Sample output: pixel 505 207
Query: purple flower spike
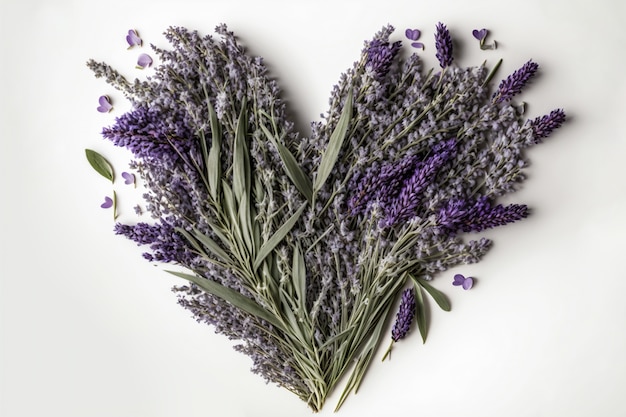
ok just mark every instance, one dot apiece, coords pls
pixel 144 61
pixel 105 104
pixel 515 82
pixel 405 314
pixel 443 43
pixel 128 178
pixel 544 125
pixel 412 34
pixel 460 280
pixel 133 39
pixel 108 203
pixel 480 34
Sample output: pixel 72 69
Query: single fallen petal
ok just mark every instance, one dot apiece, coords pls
pixel 417 45
pixel 108 203
pixel 128 178
pixel 458 279
pixel 105 104
pixel 144 61
pixel 480 34
pixel 133 38
pixel 413 34
pixel 468 283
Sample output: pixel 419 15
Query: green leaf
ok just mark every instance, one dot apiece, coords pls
pixel 233 297
pixel 420 313
pixel 241 157
pixel 277 237
pixel 212 245
pixel 438 296
pixel 291 167
pixel 100 164
pixel 334 145
pixel 298 270
pixel 214 169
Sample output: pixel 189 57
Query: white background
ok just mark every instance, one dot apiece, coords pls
pixel 88 328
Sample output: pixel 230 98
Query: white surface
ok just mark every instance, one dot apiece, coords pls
pixel 90 329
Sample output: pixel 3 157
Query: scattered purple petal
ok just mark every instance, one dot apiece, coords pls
pixel 413 34
pixel 460 280
pixel 108 203
pixel 138 210
pixel 128 178
pixel 105 104
pixel 480 34
pixel 133 39
pixel 144 61
pixel 417 45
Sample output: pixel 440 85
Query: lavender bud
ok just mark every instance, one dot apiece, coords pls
pixel 443 43
pixel 544 125
pixel 405 314
pixel 380 55
pixel 515 82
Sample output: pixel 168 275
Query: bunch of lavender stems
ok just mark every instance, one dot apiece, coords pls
pixel 299 247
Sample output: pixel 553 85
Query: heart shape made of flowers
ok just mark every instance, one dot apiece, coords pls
pixel 299 247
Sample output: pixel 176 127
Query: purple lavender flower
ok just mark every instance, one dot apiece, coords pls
pixel 108 203
pixel 458 215
pixel 380 55
pixel 515 82
pixel 128 178
pixel 105 104
pixel 144 61
pixel 414 35
pixel 443 43
pixel 166 244
pixel 480 34
pixel 404 206
pixel 133 39
pixel 544 125
pixel 462 281
pixel 405 315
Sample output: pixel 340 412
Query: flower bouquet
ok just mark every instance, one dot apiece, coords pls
pixel 301 248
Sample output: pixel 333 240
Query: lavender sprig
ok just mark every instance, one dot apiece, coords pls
pixel 515 82
pixel 443 43
pixel 404 318
pixel 543 126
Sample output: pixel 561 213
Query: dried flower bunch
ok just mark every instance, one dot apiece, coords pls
pixel 299 247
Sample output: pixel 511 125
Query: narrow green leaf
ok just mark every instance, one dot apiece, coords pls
pixel 241 157
pixel 245 223
pixel 212 245
pixel 291 167
pixel 277 237
pixel 438 296
pixel 214 169
pixel 334 145
pixel 192 240
pixel 233 297
pixel 420 313
pixel 298 270
pixel 100 164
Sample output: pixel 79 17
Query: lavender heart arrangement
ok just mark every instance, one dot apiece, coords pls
pixel 306 250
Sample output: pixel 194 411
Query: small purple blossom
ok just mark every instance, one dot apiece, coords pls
pixel 128 178
pixel 443 43
pixel 144 61
pixel 460 280
pixel 108 203
pixel 515 82
pixel 105 104
pixel 133 38
pixel 414 35
pixel 380 55
pixel 405 315
pixel 480 34
pixel 544 125
pixel 138 210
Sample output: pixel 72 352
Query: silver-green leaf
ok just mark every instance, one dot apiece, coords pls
pixel 100 164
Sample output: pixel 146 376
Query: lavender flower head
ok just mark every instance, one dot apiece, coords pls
pixel 543 126
pixel 515 82
pixel 380 55
pixel 443 43
pixel 405 314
